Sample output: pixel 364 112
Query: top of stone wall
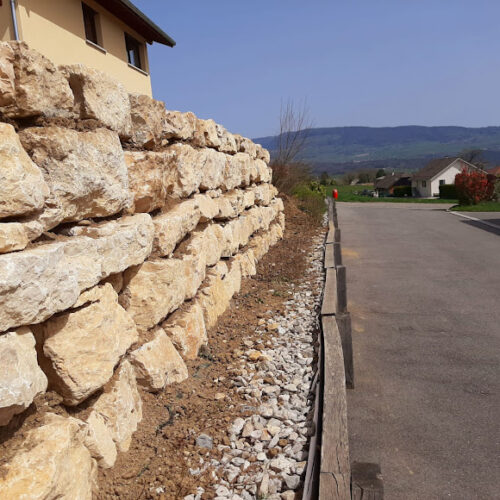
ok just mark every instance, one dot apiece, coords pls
pixel 34 91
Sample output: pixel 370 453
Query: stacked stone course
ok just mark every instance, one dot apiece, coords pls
pixel 125 229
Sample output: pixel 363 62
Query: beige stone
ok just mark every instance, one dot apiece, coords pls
pixel 187 330
pixel 179 126
pixel 52 463
pixel 85 171
pixel 262 153
pixel 115 280
pixel 7 76
pixel 120 406
pixel 187 163
pixel 148 121
pixel 23 189
pixel 12 237
pixel 247 263
pixel 39 282
pixel 152 177
pixel 172 226
pixel 21 379
pixel 264 194
pixel 99 441
pixel 99 97
pixel 157 363
pixel 40 90
pixel 212 169
pixel 248 147
pixel 227 140
pixel 264 173
pixel 155 289
pixel 207 206
pixel 82 347
pixel 205 134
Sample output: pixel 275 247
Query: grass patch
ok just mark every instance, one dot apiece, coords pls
pixel 484 206
pixel 311 198
pixel 353 193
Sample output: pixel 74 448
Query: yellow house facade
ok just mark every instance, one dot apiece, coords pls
pixel 108 35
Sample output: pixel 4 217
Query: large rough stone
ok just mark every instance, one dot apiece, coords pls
pixel 21 379
pixel 249 147
pixel 262 153
pixel 187 330
pixel 100 442
pixel 205 134
pixel 264 194
pixel 172 226
pixel 23 189
pixel 155 289
pixel 148 121
pixel 12 237
pixel 227 141
pixel 52 463
pixel 99 97
pixel 7 76
pixel 85 171
pixel 234 203
pixel 40 90
pixel 37 283
pixel 187 163
pixel 82 347
pixel 157 363
pixel 120 406
pixel 179 126
pixel 212 169
pixel 152 177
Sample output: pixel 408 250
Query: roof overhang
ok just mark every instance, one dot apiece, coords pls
pixel 129 14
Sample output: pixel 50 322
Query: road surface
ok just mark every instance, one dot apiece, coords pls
pixel 424 295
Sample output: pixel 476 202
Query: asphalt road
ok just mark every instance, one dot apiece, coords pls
pixel 424 295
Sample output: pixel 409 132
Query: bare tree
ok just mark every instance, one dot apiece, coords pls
pixel 474 156
pixel 295 126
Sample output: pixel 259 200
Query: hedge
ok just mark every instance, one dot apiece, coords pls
pixel 402 191
pixel 448 191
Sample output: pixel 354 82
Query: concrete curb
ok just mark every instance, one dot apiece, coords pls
pixel 475 219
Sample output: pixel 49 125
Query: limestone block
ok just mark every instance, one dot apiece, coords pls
pixel 21 379
pixel 206 243
pixel 115 280
pixel 234 202
pixel 99 441
pixel 157 363
pixel 227 140
pixel 7 76
pixel 99 97
pixel 52 463
pixel 23 189
pixel 120 406
pixel 205 134
pixel 179 126
pixel 82 347
pixel 40 90
pixel 233 279
pixel 12 237
pixel 152 177
pixel 85 171
pixel 187 163
pixel 207 206
pixel 148 121
pixel 247 146
pixel 212 169
pixel 264 194
pixel 247 263
pixel 37 283
pixel 264 173
pixel 262 153
pixel 119 244
pixel 155 289
pixel 214 296
pixel 187 330
pixel 34 284
pixel 172 226
pixel 232 173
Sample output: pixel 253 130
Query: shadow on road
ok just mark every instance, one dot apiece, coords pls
pixel 484 227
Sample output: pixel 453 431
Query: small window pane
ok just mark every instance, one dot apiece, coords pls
pixel 133 51
pixel 89 20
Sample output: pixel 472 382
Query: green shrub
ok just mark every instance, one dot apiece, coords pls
pixel 402 191
pixel 448 192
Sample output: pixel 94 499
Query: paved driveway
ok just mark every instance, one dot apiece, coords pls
pixel 424 294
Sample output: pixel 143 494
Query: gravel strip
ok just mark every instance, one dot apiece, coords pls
pixel 265 455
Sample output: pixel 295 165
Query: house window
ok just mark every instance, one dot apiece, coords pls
pixel 133 51
pixel 90 22
pixel 441 182
pixel 424 184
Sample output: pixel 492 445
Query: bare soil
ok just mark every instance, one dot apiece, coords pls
pixel 163 449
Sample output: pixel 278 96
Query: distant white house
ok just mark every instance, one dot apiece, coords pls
pixel 425 183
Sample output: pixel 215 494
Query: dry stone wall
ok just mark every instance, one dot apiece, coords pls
pixel 125 229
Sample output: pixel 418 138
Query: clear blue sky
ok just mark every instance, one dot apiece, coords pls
pixel 357 62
